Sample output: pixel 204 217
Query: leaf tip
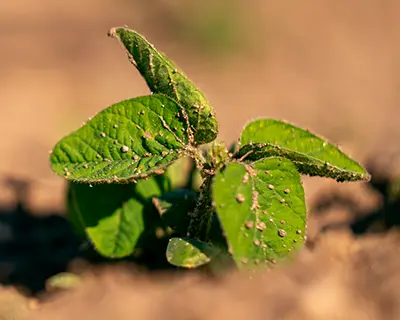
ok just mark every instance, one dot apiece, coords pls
pixel 113 32
pixel 366 177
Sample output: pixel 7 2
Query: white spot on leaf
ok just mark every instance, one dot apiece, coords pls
pixel 124 149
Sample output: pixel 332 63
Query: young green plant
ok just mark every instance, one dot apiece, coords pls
pixel 127 166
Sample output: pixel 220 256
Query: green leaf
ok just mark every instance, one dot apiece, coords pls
pixel 217 155
pixel 73 215
pixel 163 76
pixel 116 217
pixel 131 139
pixel 63 280
pixel 262 210
pixel 179 171
pixel 311 154
pixel 189 253
pixel 174 208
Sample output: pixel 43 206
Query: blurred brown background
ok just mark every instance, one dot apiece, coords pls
pixel 332 66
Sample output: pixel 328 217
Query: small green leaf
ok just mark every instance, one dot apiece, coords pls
pixel 174 208
pixel 129 140
pixel 116 216
pixel 311 154
pixel 262 210
pixel 163 76
pixel 189 253
pixel 63 280
pixel 217 155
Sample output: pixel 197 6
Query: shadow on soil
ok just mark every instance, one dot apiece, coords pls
pixel 32 247
pixel 380 219
pixel 37 245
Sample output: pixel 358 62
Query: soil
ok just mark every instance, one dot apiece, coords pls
pixel 330 66
pixel 341 279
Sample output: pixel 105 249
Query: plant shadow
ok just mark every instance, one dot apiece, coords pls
pixel 33 247
pixel 37 245
pixel 380 219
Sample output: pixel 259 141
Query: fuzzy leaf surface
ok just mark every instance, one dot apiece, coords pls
pixel 311 154
pixel 115 217
pixel 189 253
pixel 262 210
pixel 131 139
pixel 163 76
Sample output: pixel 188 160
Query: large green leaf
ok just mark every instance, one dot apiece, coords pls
pixel 131 139
pixel 311 154
pixel 189 253
pixel 262 210
pixel 163 76
pixel 116 217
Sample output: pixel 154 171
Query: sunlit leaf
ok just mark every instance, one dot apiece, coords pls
pixel 131 139
pixel 163 76
pixel 311 154
pixel 262 210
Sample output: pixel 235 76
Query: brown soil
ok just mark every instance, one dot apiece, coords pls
pixel 341 279
pixel 331 66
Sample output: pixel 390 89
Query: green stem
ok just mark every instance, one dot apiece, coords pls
pixel 201 218
pixel 197 156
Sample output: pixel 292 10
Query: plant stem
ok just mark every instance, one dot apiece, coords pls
pixel 197 156
pixel 201 217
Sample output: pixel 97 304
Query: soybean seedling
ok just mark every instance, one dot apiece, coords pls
pixel 124 167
